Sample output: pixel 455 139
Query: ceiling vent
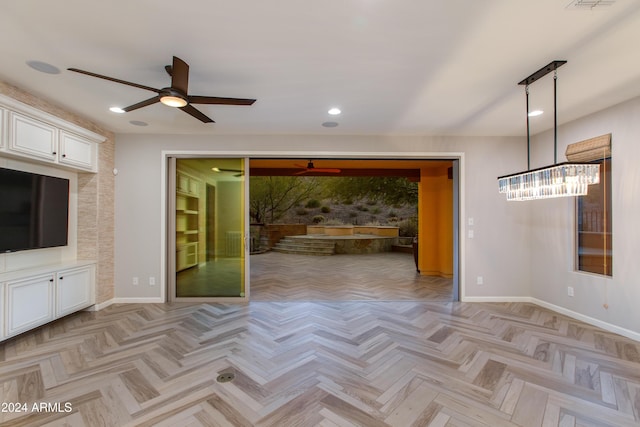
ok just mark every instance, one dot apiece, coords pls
pixel 589 4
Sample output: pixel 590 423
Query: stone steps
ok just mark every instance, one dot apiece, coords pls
pixel 303 246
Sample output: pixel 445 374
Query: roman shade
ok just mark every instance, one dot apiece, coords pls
pixel 590 150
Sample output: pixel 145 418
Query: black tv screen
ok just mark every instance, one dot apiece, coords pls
pixel 34 211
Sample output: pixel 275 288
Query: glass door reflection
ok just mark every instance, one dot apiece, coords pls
pixel 209 228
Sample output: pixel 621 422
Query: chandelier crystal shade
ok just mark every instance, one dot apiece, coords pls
pixel 559 180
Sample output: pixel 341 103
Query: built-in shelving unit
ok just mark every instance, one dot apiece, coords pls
pixel 188 207
pixel 41 288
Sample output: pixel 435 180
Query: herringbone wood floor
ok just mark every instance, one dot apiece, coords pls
pixel 388 276
pixel 334 363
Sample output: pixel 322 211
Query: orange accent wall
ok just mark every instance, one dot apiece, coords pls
pixel 435 211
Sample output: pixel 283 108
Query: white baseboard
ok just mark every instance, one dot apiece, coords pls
pixel 102 305
pixel 497 299
pixel 590 320
pixel 574 315
pixel 136 300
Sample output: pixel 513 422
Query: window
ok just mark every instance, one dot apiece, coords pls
pixel 593 211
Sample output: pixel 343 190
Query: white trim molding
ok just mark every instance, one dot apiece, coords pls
pixel 561 310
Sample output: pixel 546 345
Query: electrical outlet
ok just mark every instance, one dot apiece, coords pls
pixel 135 281
pixel 570 291
pixel 152 281
pixel 470 222
pixel 471 234
pixel 480 280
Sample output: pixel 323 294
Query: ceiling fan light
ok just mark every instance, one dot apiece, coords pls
pixel 173 101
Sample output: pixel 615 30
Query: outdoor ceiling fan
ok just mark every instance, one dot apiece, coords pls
pixel 311 168
pixel 175 95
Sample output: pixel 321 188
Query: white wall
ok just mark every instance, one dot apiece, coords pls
pixel 499 251
pixel 552 244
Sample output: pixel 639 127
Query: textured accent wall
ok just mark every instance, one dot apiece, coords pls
pixel 95 195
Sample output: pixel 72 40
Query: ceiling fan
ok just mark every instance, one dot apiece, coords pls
pixel 236 172
pixel 311 168
pixel 175 95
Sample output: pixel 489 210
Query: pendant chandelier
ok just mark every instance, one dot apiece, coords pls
pixel 558 180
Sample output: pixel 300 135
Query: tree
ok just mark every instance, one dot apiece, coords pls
pixel 272 196
pixel 390 190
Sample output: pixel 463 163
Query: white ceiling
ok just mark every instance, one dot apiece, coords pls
pixel 394 67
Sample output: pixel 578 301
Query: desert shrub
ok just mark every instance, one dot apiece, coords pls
pixel 313 203
pixel 393 220
pixel 371 202
pixel 392 214
pixel 376 210
pixel 353 214
pixel 325 209
pixel 317 219
pixel 302 211
pixel 334 221
pixel 347 202
pixel 362 208
pixel 408 227
pixel 373 224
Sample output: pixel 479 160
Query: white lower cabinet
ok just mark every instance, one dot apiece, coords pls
pixel 31 299
pixel 3 309
pixel 72 292
pixel 29 303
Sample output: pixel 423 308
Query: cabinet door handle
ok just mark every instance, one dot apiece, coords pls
pixel 51 280
pixel 61 277
pixel 54 153
pixel 64 155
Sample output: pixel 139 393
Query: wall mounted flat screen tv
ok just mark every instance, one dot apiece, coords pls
pixel 34 211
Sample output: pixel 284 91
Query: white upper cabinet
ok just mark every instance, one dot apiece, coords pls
pixel 30 133
pixel 3 127
pixel 77 151
pixel 32 137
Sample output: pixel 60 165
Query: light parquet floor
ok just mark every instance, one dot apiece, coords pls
pixel 388 276
pixel 332 363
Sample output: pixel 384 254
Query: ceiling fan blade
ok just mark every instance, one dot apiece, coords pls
pixel 142 104
pixel 195 99
pixel 168 69
pixel 190 109
pixel 326 170
pixel 111 79
pixel 302 172
pixel 180 75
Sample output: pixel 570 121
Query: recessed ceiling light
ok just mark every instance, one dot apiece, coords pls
pixel 334 111
pixel 535 113
pixel 330 124
pixel 116 110
pixel 43 67
pixel 138 123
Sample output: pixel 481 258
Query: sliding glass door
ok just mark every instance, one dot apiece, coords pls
pixel 208 255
